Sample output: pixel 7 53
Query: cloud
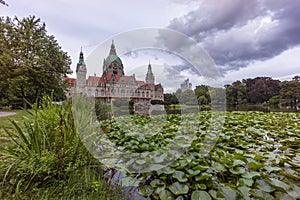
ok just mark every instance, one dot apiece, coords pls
pixel 236 32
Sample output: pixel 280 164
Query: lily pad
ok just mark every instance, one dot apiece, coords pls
pixel 200 195
pixel 179 188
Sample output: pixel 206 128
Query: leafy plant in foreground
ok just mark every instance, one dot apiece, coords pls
pixel 47 160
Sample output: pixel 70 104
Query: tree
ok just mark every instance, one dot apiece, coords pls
pixel 236 93
pixel 290 91
pixel 261 89
pixel 170 99
pixel 3 2
pixel 33 64
pixel 202 94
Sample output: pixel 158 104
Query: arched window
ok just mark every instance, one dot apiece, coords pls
pixel 130 93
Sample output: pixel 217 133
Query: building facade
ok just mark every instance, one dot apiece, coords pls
pixel 114 84
pixel 186 85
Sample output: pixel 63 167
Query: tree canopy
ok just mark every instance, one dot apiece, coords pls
pixel 3 2
pixel 32 64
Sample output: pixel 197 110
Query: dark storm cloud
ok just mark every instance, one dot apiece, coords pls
pixel 237 32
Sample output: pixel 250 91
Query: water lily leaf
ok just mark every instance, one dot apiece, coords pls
pixel 180 198
pixel 282 195
pixel 251 175
pixel 200 195
pixel 140 162
pixel 272 169
pixel 213 193
pixel 156 182
pixel 245 192
pixel 238 162
pixel 201 168
pixel 278 184
pixel 180 176
pixel 201 186
pixel 245 182
pixel 128 181
pixel 168 170
pixel 264 186
pixel 255 165
pixel 259 194
pixel 219 167
pixel 203 176
pixel 166 195
pixel 159 159
pixel 155 167
pixel 159 189
pixel 179 188
pixel 237 170
pixel 145 190
pixel 294 192
pixel 227 193
pixel 193 172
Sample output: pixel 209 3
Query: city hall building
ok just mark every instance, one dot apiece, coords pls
pixel 114 84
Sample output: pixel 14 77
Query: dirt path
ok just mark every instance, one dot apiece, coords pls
pixel 4 114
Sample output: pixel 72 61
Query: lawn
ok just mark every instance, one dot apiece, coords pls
pixel 5 123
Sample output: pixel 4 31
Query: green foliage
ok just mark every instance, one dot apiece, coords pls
pixel 170 99
pixel 47 159
pixel 275 100
pixel 202 93
pixel 256 155
pixel 290 91
pixel 262 90
pixel 3 2
pixel 155 102
pixel 32 64
pixel 102 110
pixel 236 93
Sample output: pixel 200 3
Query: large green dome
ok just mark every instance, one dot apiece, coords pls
pixel 112 58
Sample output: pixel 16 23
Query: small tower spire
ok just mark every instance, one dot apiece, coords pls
pixel 81 65
pixel 81 58
pixel 112 49
pixel 149 76
pixel 149 69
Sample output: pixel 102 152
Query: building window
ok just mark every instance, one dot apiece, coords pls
pixel 122 92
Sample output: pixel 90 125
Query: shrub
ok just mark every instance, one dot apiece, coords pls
pixel 47 159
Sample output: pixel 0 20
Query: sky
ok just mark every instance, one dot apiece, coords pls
pixel 240 39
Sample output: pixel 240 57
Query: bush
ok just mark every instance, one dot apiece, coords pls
pixel 47 159
pixel 274 101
